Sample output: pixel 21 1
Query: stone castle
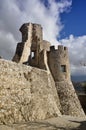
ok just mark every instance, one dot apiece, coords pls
pixel 36 52
pixel 37 84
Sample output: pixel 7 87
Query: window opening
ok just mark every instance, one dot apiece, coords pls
pixel 63 68
pixel 32 55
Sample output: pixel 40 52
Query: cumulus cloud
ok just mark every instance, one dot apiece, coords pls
pixel 77 53
pixel 7 43
pixel 13 13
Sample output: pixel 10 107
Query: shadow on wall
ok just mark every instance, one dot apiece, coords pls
pixel 82 125
pixel 44 126
pixel 49 126
pixel 82 99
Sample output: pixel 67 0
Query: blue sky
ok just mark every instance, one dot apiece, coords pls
pixel 74 21
pixel 63 22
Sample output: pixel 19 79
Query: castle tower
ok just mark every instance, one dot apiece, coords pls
pixel 33 49
pixel 58 62
pixel 29 48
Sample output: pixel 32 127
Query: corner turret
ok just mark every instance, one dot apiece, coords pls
pixel 58 62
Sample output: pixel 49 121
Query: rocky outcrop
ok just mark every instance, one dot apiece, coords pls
pixel 26 93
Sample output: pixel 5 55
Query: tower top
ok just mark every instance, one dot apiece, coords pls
pixel 25 26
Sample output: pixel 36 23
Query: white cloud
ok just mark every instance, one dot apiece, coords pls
pixel 77 52
pixel 7 42
pixel 13 13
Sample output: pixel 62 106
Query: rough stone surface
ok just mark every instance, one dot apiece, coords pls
pixel 70 103
pixel 59 123
pixel 32 46
pixel 26 93
pixel 23 48
pixel 58 61
pixel 45 45
pixel 29 94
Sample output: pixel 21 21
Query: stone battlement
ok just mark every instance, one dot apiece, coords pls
pixel 60 48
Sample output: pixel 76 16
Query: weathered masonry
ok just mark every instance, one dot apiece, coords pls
pixel 36 52
pixel 32 50
pixel 37 84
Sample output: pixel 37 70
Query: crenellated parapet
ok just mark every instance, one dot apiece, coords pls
pixel 61 50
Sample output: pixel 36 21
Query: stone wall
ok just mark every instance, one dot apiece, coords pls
pixel 70 104
pixel 24 48
pixel 45 45
pixel 43 61
pixel 26 93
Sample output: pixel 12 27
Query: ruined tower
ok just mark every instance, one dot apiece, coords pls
pixel 32 48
